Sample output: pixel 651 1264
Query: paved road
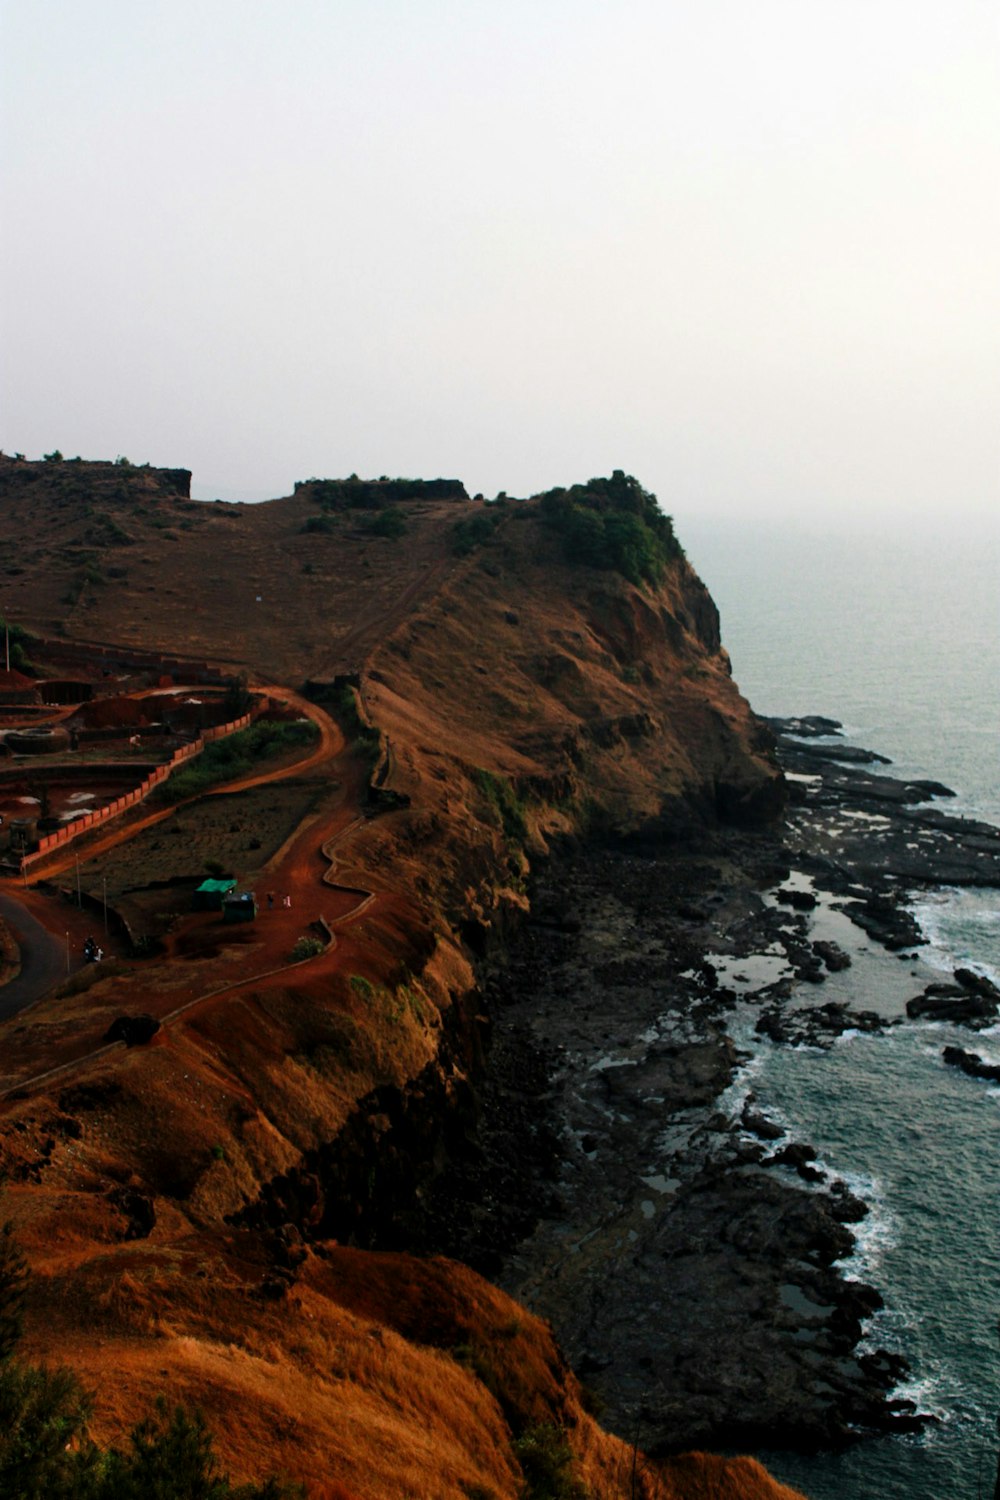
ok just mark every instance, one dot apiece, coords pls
pixel 43 959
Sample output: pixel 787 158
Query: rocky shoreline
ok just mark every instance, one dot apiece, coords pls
pixel 623 1181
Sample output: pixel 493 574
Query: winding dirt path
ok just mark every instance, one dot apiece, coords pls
pixel 303 893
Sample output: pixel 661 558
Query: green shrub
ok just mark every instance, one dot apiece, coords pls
pixel 505 804
pixel 19 639
pixel 107 532
pixel 235 756
pixel 472 531
pixel 342 702
pixel 323 524
pixel 613 524
pixel 546 1461
pixel 353 493
pixel 307 947
pixel 389 523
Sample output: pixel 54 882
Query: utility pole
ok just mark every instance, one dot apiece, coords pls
pixel 79 902
pixel 105 906
pixel 67 954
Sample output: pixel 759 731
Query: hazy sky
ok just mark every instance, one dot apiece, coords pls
pixel 748 250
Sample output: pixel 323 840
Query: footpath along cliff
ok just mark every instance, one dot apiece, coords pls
pixel 230 1215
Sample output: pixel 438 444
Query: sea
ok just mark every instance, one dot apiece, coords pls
pixel 894 629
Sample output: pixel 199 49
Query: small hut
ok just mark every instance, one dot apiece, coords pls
pixel 240 906
pixel 211 894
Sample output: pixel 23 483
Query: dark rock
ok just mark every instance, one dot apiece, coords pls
pixel 885 1367
pixel 760 1125
pixel 798 1156
pixel 832 955
pixel 844 1206
pixel 970 1010
pixel 138 1209
pixel 798 900
pixel 808 726
pixel 971 1063
pixel 887 922
pixel 134 1031
pixel 850 754
pixel 978 984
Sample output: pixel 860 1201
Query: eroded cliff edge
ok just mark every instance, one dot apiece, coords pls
pixel 511 698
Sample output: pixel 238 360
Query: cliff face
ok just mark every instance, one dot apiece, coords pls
pixel 529 700
pixel 183 1205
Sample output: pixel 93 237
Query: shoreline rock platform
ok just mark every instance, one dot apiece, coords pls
pixel 688 1253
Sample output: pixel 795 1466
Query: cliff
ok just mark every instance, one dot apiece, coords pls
pixel 226 1213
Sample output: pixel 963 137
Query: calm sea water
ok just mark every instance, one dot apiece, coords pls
pixel 897 635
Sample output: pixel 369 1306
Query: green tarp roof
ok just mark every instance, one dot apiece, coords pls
pixel 222 886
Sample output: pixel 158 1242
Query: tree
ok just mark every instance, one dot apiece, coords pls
pixel 46 1454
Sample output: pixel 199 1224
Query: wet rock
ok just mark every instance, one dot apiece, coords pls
pixel 978 984
pixel 832 955
pixel 798 900
pixel 849 754
pixel 963 1009
pixel 817 1026
pixel 971 1063
pixel 844 1206
pixel 807 726
pixel 886 921
pixel 798 1156
pixel 885 1367
pixel 759 1125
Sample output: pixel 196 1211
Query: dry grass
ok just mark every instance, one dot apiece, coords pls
pixel 380 1374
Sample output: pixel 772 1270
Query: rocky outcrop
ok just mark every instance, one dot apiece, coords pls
pixel 974 1002
pixel 971 1063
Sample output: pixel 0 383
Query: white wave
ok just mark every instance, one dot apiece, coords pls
pixel 940 917
pixel 877 1232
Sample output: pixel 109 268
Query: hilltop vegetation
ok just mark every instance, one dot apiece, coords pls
pixel 377 494
pixel 612 523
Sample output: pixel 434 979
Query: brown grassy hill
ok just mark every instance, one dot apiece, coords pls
pixel 211 1214
pixel 106 552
